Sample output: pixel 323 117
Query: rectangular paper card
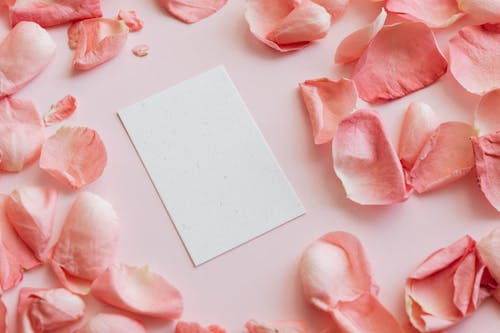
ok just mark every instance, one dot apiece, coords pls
pixel 210 164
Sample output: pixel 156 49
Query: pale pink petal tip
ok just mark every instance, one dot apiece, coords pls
pixel 54 12
pixel 366 162
pixel 287 25
pixel 487 156
pixel 75 156
pixel 283 326
pixel 186 327
pixel 385 71
pixel 419 123
pixel 489 250
pixel 88 243
pixel 131 20
pixel 110 323
pixel 192 11
pixel 63 109
pixel 96 41
pixel 487 117
pixel 119 284
pixel 446 157
pixel 327 103
pixel 474 54
pixel 485 10
pixel 41 310
pixel 434 13
pixel 21 134
pixel 352 47
pixel 141 50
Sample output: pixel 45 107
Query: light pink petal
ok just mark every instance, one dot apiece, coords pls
pixel 487 155
pixel 474 58
pixel 336 8
pixel 141 50
pixel 3 315
pixel 192 11
pixel 401 59
pixel 24 53
pixel 88 242
pixel 487 117
pixel 185 327
pixel 284 326
pixel 61 110
pixel 75 156
pixel 96 41
pixel 327 103
pixel 446 157
pixel 434 13
pixel 486 10
pixel 366 162
pixel 489 250
pixel 111 323
pixel 21 133
pixel 418 125
pixel 131 20
pixel 139 291
pixel 352 47
pixel 54 12
pixel 10 270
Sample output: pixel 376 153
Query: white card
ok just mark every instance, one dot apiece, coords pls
pixel 210 164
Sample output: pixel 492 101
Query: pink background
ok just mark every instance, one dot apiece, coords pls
pixel 258 280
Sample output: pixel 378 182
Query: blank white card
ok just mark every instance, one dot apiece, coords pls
pixel 210 164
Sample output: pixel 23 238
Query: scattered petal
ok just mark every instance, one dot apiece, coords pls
pixel 192 11
pixel 486 10
pixel 434 13
pixel 474 58
pixel 185 327
pixel 489 251
pixel 21 133
pixel 487 117
pixel 327 103
pixel 139 291
pixel 141 50
pixel 75 156
pixel 366 162
pixel 487 155
pixel 131 20
pixel 446 157
pixel 110 323
pixel 287 326
pixel 62 110
pixel 401 58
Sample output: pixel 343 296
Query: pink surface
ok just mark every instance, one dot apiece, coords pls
pixel 260 279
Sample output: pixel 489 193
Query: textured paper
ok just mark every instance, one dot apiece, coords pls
pixel 210 164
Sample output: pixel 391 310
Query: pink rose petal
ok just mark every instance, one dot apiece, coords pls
pixel 96 41
pixel 487 117
pixel 336 8
pixel 24 53
pixel 139 291
pixel 3 315
pixel 366 162
pixel 75 156
pixel 11 272
pixel 111 323
pixel 401 58
pixel 327 103
pixel 21 134
pixel 418 125
pixel 434 13
pixel 61 110
pixel 352 47
pixel 192 11
pixel 87 244
pixel 486 10
pixel 474 58
pixel 446 157
pixel 284 326
pixel 54 12
pixel 489 251
pixel 185 327
pixel 30 210
pixel 131 20
pixel 141 50
pixel 487 155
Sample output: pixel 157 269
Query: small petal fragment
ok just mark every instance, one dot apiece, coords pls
pixel 111 323
pixel 446 157
pixel 489 251
pixel 285 326
pixel 327 103
pixel 486 10
pixel 75 156
pixel 434 13
pixel 24 53
pixel 192 11
pixel 131 20
pixel 401 58
pixel 61 110
pixel 185 327
pixel 96 41
pixel 141 50
pixel 139 291
pixel 487 117
pixel 21 134
pixel 487 155
pixel 366 162
pixel 474 58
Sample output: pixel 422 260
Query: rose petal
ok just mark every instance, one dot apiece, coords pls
pixel 434 13
pixel 141 50
pixel 352 47
pixel 10 270
pixel 366 162
pixel 21 133
pixel 54 12
pixel 487 116
pixel 401 59
pixel 96 41
pixel 486 10
pixel 446 157
pixel 192 11
pixel 88 242
pixel 184 327
pixel 24 53
pixel 474 59
pixel 327 103
pixel 284 326
pixel 489 250
pixel 110 323
pixel 418 125
pixel 62 110
pixel 139 291
pixel 336 8
pixel 131 20
pixel 487 155
pixel 3 315
pixel 75 156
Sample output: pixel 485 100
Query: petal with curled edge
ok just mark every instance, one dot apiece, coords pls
pixel 131 20
pixel 191 327
pixel 110 323
pixel 434 13
pixel 485 10
pixel 487 116
pixel 63 109
pixel 282 326
pixel 192 11
pixel 487 156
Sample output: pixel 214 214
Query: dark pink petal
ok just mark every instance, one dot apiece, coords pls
pixel 284 326
pixel 446 157
pixel 434 13
pixel 401 59
pixel 61 110
pixel 131 20
pixel 185 327
pixel 75 156
pixel 489 251
pixel 487 155
pixel 327 103
pixel 192 11
pixel 111 323
pixel 366 162
pixel 3 315
pixel 485 10
pixel 141 50
pixel 487 117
